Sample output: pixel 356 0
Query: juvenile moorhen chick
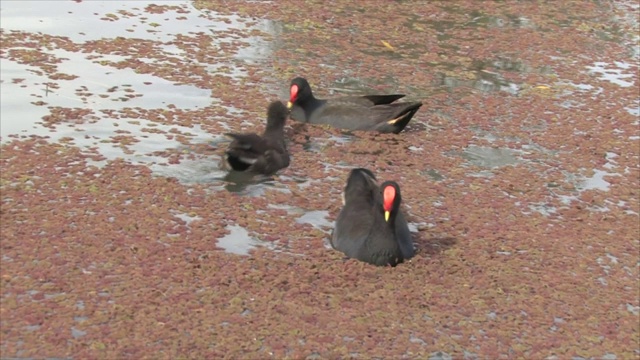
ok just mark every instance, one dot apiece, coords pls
pixel 371 226
pixel 264 154
pixel 368 112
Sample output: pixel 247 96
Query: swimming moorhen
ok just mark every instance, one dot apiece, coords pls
pixel 264 154
pixel 368 112
pixel 371 226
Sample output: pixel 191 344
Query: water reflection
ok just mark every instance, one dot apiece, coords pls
pixel 95 81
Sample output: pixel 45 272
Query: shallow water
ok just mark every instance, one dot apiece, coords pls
pixel 238 241
pixel 317 219
pixel 493 111
pixel 488 157
pixel 99 86
pixel 26 94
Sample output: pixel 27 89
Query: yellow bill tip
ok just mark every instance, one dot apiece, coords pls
pixel 386 216
pixel 289 104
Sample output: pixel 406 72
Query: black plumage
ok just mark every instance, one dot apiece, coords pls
pixel 368 112
pixel 264 154
pixel 371 226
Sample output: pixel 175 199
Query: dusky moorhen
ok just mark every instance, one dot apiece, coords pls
pixel 264 154
pixel 368 112
pixel 371 226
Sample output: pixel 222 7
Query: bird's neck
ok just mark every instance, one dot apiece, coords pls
pixel 273 130
pixel 392 219
pixel 310 101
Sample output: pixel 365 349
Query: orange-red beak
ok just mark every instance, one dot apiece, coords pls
pixel 388 195
pixel 293 95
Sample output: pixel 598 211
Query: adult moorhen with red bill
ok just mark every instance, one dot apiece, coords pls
pixel 371 226
pixel 368 112
pixel 264 154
